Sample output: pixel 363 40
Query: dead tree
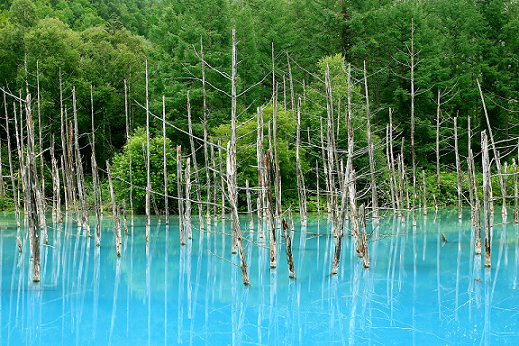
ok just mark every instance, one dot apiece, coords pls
pixel 365 249
pixel 187 212
pixel 33 194
pixel 249 205
pixel 79 170
pixel 180 198
pixel 117 232
pixel 288 246
pixel 65 166
pixel 486 197
pixel 496 153
pixel 11 169
pixel 166 197
pixel 300 176
pixel 458 169
pixel 206 154
pixel 56 191
pixel 95 179
pixel 516 193
pixel 148 178
pixel 195 165
pixel 371 153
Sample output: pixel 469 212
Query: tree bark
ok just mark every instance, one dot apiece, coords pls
pixel 166 194
pixel 486 197
pixel 288 246
pixel 180 199
pixel 458 169
pixel 365 249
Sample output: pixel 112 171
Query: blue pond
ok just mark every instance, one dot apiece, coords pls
pixel 419 289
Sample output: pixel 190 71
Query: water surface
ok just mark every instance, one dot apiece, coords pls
pixel 419 289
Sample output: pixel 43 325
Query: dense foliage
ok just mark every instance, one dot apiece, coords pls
pixel 102 45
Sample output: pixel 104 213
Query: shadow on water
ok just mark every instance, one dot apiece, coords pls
pixel 419 290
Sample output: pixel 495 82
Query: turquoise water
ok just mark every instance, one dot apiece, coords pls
pixel 419 290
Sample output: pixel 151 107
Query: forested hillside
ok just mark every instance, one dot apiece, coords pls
pixel 419 59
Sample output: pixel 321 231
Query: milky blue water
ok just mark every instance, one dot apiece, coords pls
pixel 419 289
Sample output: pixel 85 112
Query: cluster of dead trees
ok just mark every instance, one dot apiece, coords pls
pixel 337 171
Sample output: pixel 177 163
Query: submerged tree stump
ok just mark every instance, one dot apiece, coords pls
pixel 288 246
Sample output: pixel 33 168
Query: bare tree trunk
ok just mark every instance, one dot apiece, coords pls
pixel 365 249
pixel 231 172
pixel 64 131
pixel 288 246
pixel 300 176
pixel 33 194
pixel 72 174
pixel 337 252
pixel 249 205
pixel 40 135
pixel 516 193
pixel 393 170
pixel 390 171
pixel 476 222
pixel 272 225
pixel 40 205
pixel 195 165
pixel 79 170
pixel 330 141
pixel 292 95
pixel 458 169
pixel 97 203
pixel 353 210
pixel 469 135
pixel 471 188
pixel 277 171
pixel 2 186
pixel 56 195
pixel 486 197
pixel 438 111
pixel 505 189
pixel 477 228
pixel 413 92
pixel 284 93
pixel 374 197
pixel 327 182
pixel 206 154
pixel 187 217
pixel 231 150
pixel 128 141
pixel 125 219
pixel 148 178
pixel 11 169
pixel 166 194
pixel 318 201
pixel 220 157
pixel 114 212
pixel 261 170
pixel 291 218
pixel 19 150
pixel 180 198
pixel 215 189
pixel 401 179
pixel 424 193
pixel 496 153
pixel 64 176
pixel 350 174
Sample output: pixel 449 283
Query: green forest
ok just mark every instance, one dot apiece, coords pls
pixel 379 62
